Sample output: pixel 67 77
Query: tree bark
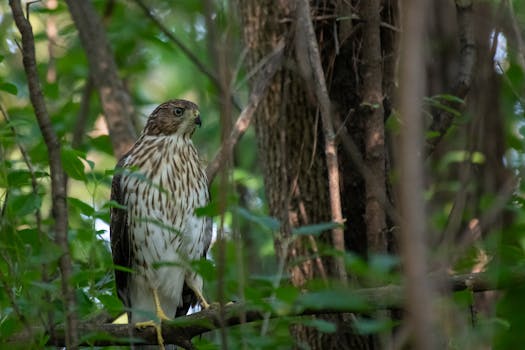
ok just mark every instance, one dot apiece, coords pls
pixel 115 100
pixel 291 150
pixel 374 133
pixel 58 177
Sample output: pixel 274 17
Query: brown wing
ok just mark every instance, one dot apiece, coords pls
pixel 120 241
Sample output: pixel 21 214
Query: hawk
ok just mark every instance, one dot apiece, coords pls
pixel 154 232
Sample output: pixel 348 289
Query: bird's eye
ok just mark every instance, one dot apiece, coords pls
pixel 178 111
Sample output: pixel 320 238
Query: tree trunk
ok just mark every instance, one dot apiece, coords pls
pixel 290 142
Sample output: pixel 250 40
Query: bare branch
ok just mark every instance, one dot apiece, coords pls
pixel 58 178
pixel 83 114
pixel 193 58
pixel 273 63
pixel 115 100
pixel 307 49
pixel 442 121
pixel 181 330
pixel 419 292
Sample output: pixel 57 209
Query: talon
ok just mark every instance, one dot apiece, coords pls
pixel 204 304
pixel 158 330
pixel 158 326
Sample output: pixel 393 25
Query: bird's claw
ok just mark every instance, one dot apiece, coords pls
pixel 158 329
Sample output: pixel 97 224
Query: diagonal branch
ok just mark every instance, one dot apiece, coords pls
pixel 196 61
pixel 115 100
pixel 307 49
pixel 58 179
pixel 272 65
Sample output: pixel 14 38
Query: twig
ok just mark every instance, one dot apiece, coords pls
pixel 58 184
pixel 257 94
pixel 193 58
pixel 354 153
pixel 183 329
pixel 83 114
pixel 443 120
pixel 114 98
pixel 52 36
pixel 419 292
pixel 313 71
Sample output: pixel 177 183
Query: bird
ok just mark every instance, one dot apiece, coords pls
pixel 154 230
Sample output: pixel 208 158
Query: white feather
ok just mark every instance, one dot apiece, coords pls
pixel 167 217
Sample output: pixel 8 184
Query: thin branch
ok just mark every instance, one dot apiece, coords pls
pixel 193 58
pixel 58 183
pixel 183 329
pixel 310 64
pixel 419 291
pixel 443 120
pixel 83 114
pixel 258 92
pixel 114 98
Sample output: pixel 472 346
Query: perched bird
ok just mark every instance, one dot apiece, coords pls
pixel 154 232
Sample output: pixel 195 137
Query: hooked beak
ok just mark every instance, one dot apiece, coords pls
pixel 198 121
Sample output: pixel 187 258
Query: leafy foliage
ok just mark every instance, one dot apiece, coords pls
pixel 155 70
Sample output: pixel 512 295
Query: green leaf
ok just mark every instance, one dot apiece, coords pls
pixel 287 293
pixel 49 287
pixel 316 229
pixel 23 204
pixel 72 164
pixel 114 204
pixel 383 262
pixel 212 209
pixel 102 143
pixel 83 207
pixel 371 326
pixel 393 123
pixel 19 178
pixel 320 324
pixel 49 252
pixel 267 222
pixel 431 134
pixel 9 88
pixel 110 302
pixel 205 268
pixel 333 300
pixel 450 98
pixel 443 106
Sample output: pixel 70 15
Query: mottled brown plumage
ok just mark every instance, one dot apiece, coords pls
pixel 160 182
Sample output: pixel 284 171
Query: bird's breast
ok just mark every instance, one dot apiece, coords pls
pixel 163 189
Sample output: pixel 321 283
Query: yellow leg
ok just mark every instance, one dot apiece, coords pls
pixel 201 299
pixel 158 326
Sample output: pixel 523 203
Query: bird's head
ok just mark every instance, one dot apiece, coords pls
pixel 173 117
